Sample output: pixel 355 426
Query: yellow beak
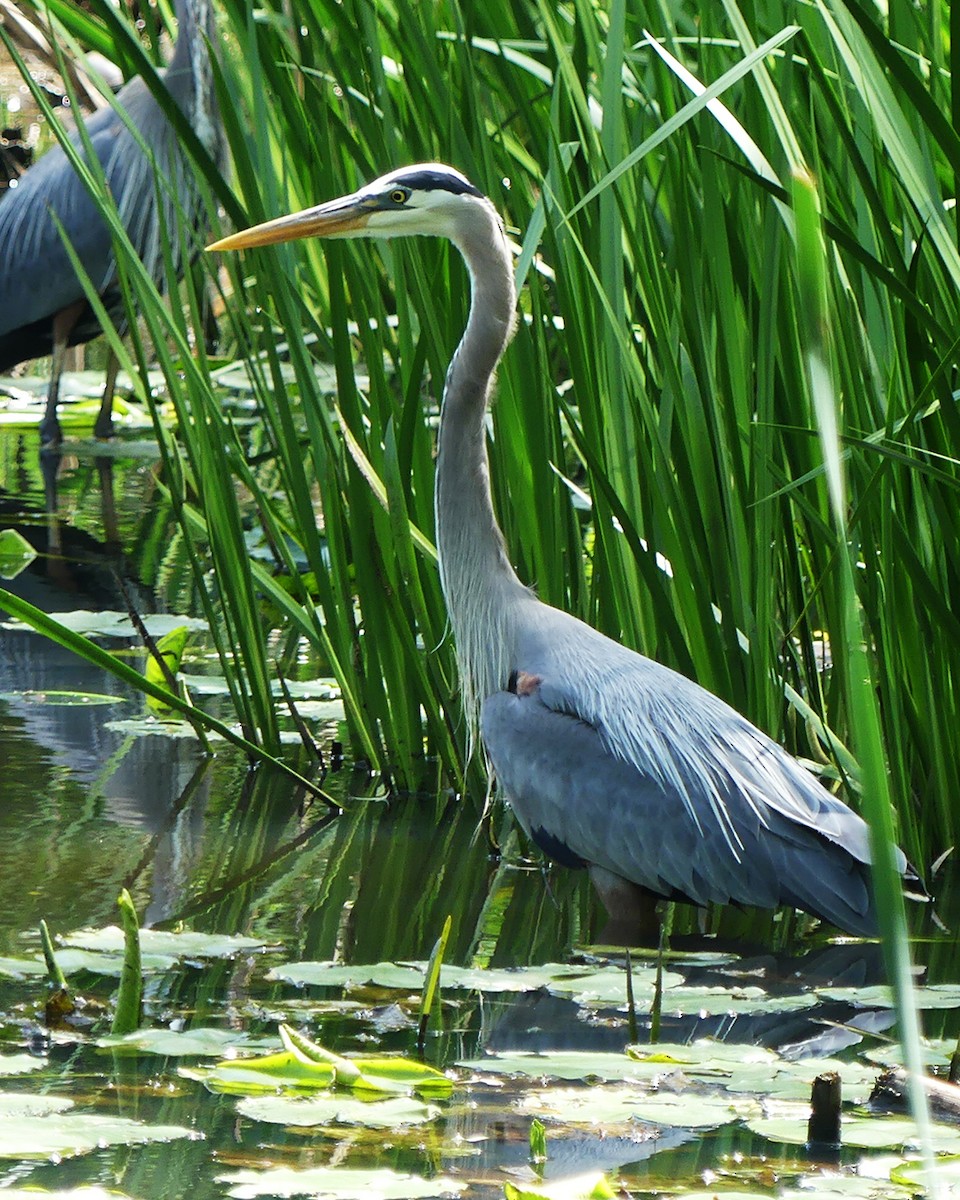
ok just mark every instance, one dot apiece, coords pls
pixel 337 218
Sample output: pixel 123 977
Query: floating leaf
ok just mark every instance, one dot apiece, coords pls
pixel 169 649
pixel 842 1187
pixel 338 1109
pixel 162 942
pixel 42 1126
pixel 383 1073
pixel 616 1105
pixel 200 1042
pixel 565 1064
pixel 868 1132
pixel 16 553
pixel 265 1074
pixel 586 984
pixel 935 995
pixel 914 1175
pixel 117 624
pixel 715 1001
pixel 704 1056
pixel 937 1052
pixel 73 960
pixel 55 699
pixel 22 968
pixel 20 1064
pixel 592 1186
pixel 78 1193
pixel 339 1183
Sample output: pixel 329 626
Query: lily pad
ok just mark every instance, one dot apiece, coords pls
pixel 715 1001
pixel 21 968
pixel 78 1193
pixel 843 1187
pixel 54 699
pixel 937 1052
pixel 43 1127
pixel 592 1186
pixel 20 1064
pixel 587 984
pixel 70 960
pixel 118 624
pixel 867 1132
pixel 565 1064
pixel 339 1183
pixel 188 944
pixel 16 553
pixel 791 1079
pixel 203 1042
pixel 936 995
pixel 334 1108
pixel 269 1073
pixel 913 1175
pixel 607 1106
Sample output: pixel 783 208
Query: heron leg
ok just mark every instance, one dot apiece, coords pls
pixel 104 423
pixel 63 322
pixel 632 910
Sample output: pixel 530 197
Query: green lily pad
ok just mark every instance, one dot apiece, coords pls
pixel 937 1052
pixel 705 1052
pixel 715 1001
pixel 334 1108
pixel 606 1106
pixel 565 1064
pixel 16 553
pixel 867 1132
pixel 338 1183
pixel 78 1193
pixel 43 1127
pixel 913 1175
pixel 20 1064
pixel 843 1187
pixel 586 984
pixel 200 1042
pixel 188 944
pixel 792 1079
pixel 14 1105
pixel 119 625
pixel 53 699
pixel 303 1064
pixel 269 1073
pixel 594 1185
pixel 71 960
pixel 937 995
pixel 21 968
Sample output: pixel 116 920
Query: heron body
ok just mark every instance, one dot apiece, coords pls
pixel 43 306
pixel 610 760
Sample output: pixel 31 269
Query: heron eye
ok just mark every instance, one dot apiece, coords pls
pixel 398 196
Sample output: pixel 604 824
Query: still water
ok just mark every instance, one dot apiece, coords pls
pixel 90 804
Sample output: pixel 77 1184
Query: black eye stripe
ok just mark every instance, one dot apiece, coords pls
pixel 436 181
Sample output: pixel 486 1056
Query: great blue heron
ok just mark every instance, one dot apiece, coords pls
pixel 43 307
pixel 609 760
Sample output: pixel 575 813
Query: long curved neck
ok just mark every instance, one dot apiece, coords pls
pixel 479 584
pixel 190 74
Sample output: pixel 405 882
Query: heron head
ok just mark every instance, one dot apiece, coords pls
pixel 429 198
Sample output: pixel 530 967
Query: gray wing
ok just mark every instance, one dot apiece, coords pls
pixel 729 818
pixel 37 278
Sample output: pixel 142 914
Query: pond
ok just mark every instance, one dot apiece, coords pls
pixel 277 910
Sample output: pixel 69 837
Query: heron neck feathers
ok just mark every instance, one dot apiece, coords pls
pixel 477 578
